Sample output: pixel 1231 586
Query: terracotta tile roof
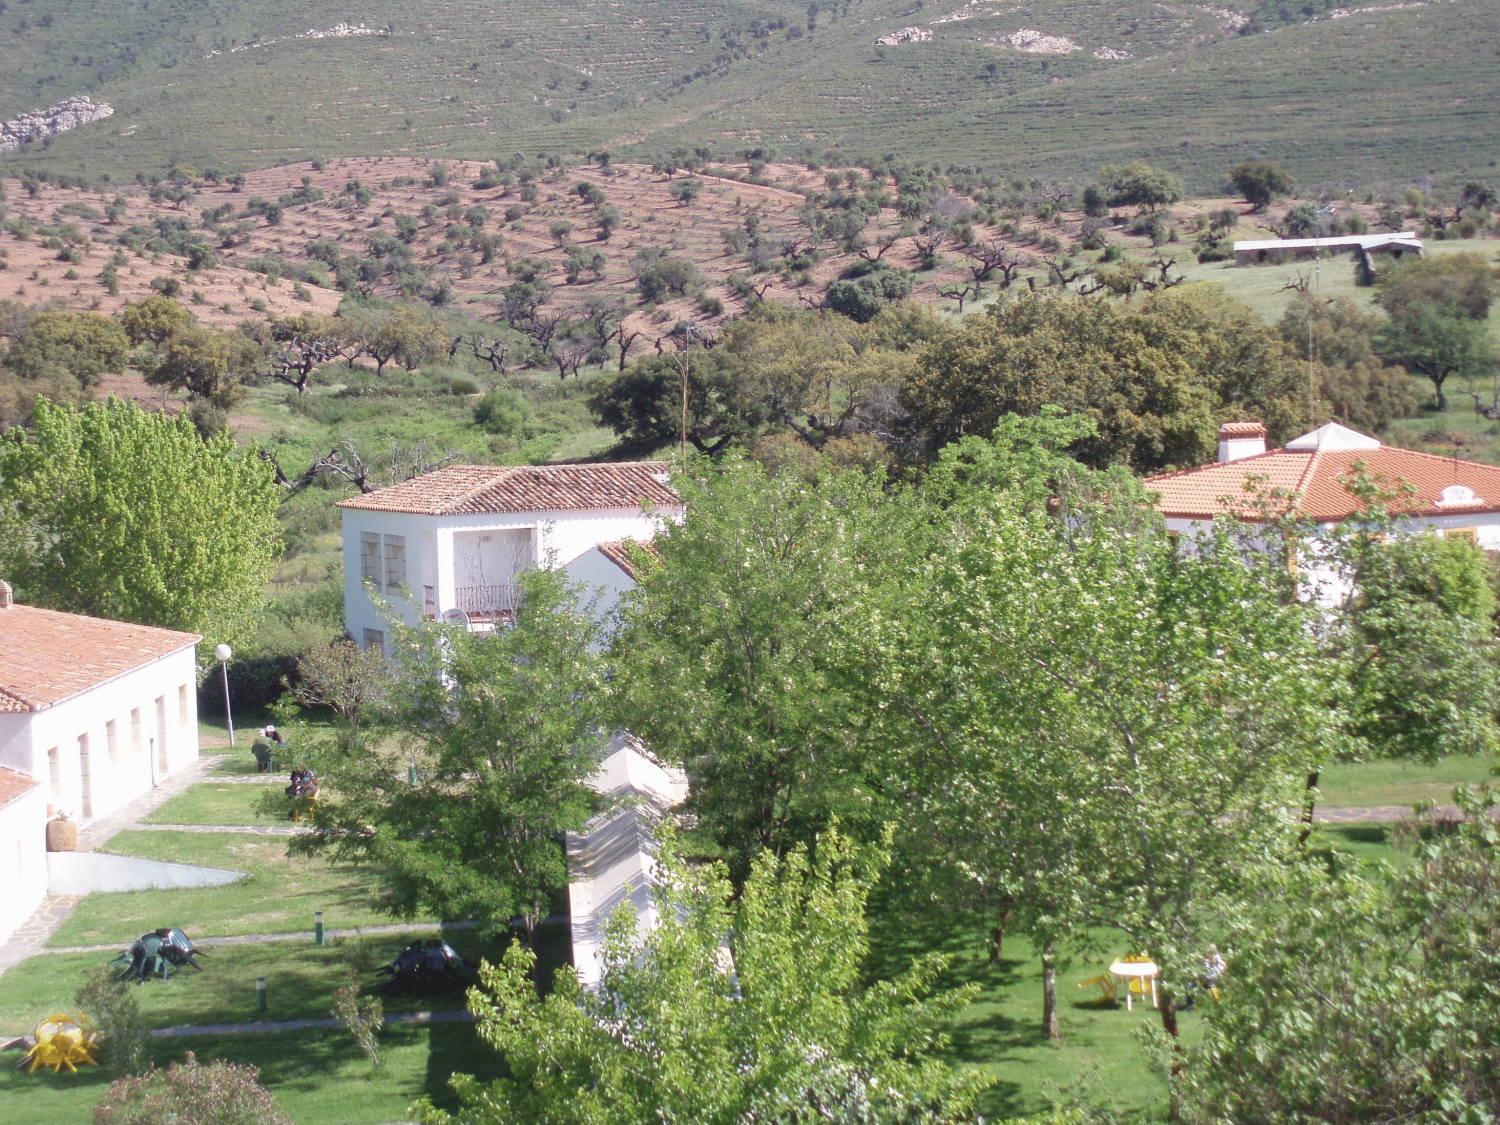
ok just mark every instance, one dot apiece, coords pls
pixel 46 656
pixel 623 553
pixel 1313 484
pixel 1242 429
pixel 483 489
pixel 14 785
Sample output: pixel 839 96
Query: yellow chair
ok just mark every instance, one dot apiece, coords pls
pixel 1104 983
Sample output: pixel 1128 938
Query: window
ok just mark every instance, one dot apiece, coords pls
pixel 1467 534
pixel 112 741
pixel 395 563
pixel 369 557
pixel 375 638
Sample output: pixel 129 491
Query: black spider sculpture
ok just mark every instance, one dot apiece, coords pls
pixel 157 954
pixel 423 968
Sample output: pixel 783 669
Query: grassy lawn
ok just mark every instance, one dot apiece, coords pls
pixel 279 895
pixel 300 979
pixel 1400 783
pixel 207 803
pixel 317 1077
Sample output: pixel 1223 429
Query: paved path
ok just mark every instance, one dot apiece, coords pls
pixel 303 936
pixel 248 779
pixel 232 829
pixel 1382 814
pixel 267 1027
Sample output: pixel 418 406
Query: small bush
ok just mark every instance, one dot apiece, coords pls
pixel 503 412
pixel 224 1093
pixel 463 385
pixel 112 1005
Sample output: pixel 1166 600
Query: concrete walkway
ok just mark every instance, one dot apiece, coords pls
pixel 231 829
pixel 31 935
pixel 268 1027
pixel 1381 814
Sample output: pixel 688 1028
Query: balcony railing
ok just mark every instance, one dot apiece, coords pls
pixel 488 603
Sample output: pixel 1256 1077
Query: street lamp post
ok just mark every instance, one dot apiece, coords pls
pixel 224 652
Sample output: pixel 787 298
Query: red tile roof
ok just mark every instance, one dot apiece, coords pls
pixel 1242 429
pixel 626 553
pixel 1313 484
pixel 14 785
pixel 485 489
pixel 46 656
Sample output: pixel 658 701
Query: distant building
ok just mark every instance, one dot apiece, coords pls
pixel 1363 246
pixel 1309 477
pixel 92 713
pixel 454 541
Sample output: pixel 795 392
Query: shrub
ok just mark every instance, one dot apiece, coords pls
pixel 112 1005
pixel 224 1093
pixel 463 385
pixel 503 412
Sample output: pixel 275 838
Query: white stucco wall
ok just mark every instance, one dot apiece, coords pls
pixel 23 858
pixel 602 583
pixel 78 729
pixel 1323 583
pixel 558 539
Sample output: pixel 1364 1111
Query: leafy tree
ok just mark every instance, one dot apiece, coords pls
pixel 502 733
pixel 296 346
pixel 726 659
pixel 730 1010
pixel 1105 729
pixel 401 334
pixel 1433 342
pixel 862 298
pixel 153 320
pixel 1354 385
pixel 643 404
pixel 223 1092
pixel 1260 182
pixel 1355 997
pixel 1418 635
pixel 115 512
pixel 1155 378
pixel 1460 285
pixel 81 345
pixel 685 191
pixel 208 364
pixel 658 276
pixel 1140 185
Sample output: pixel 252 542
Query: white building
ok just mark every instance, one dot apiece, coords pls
pixel 457 538
pixel 1258 251
pixel 1308 478
pixel 613 860
pixel 92 714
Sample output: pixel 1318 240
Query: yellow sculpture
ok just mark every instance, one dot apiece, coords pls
pixel 63 1041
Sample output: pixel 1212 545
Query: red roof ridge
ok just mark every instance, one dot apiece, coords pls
pixel 1210 465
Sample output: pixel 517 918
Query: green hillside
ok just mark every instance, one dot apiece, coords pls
pixel 1382 97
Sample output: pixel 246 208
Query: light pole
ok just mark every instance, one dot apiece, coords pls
pixel 224 652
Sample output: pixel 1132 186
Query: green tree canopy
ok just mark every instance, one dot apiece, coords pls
pixel 1140 185
pixel 1459 284
pixel 502 731
pixel 1156 378
pixel 81 345
pixel 725 662
pixel 1359 997
pixel 1260 181
pixel 1438 344
pixel 643 404
pixel 109 510
pixel 753 1009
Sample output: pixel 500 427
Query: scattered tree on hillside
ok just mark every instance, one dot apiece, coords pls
pixel 1140 185
pixel 1260 182
pixel 78 345
pixel 111 511
pixel 297 346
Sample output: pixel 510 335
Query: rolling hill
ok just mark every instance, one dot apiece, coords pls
pixel 1376 93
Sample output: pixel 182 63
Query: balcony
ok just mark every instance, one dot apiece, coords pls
pixel 481 605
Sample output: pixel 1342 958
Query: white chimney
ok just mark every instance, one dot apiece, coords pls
pixel 1241 439
pixel 5 596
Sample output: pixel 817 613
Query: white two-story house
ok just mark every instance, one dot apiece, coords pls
pixel 93 713
pixel 1309 478
pixel 451 543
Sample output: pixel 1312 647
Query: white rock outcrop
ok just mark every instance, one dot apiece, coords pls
pixel 905 35
pixel 1037 42
pixel 42 123
pixel 1111 53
